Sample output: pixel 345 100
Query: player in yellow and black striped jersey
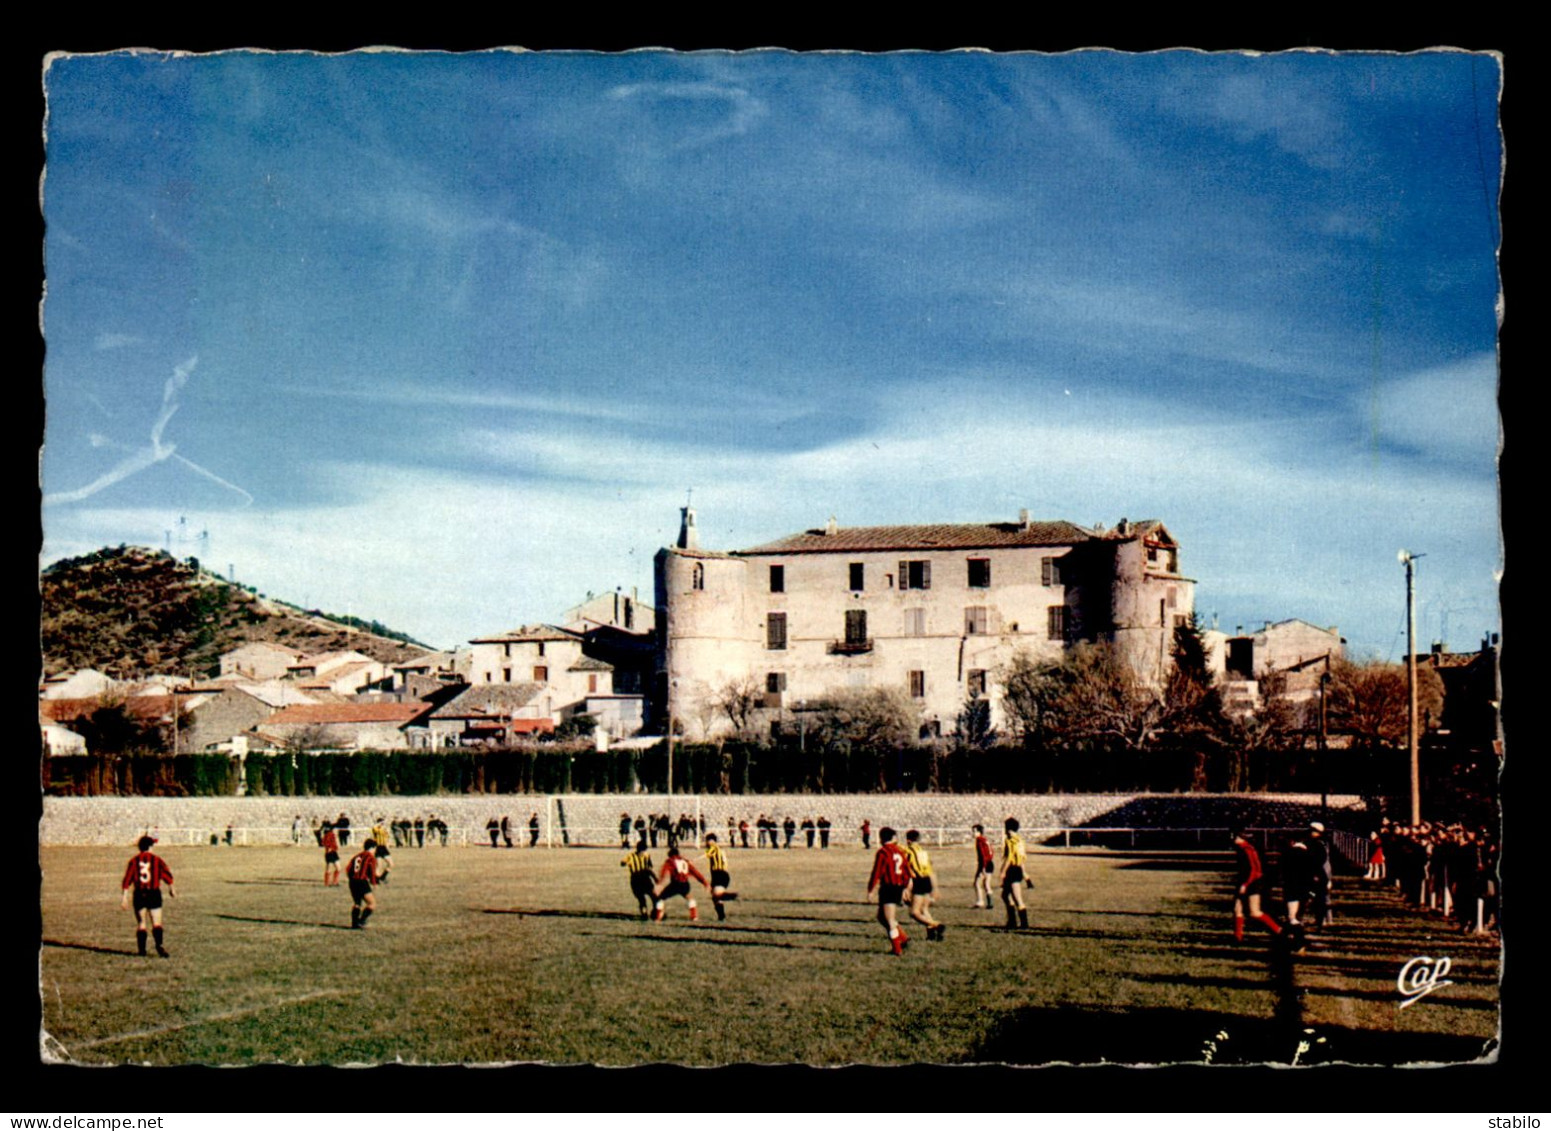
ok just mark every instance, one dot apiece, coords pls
pixel 384 859
pixel 643 883
pixel 1012 875
pixel 716 861
pixel 921 886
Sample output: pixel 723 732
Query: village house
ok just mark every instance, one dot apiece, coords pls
pixel 341 726
pixel 934 611
pixel 1297 652
pixel 488 714
pixel 339 673
pixel 596 671
pixel 259 660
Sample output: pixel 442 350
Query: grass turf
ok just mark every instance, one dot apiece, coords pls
pixel 495 956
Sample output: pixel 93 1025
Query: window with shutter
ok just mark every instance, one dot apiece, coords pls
pixel 856 627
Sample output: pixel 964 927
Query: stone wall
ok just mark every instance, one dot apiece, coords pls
pixel 594 818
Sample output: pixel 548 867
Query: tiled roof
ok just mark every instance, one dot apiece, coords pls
pixel 262 646
pixel 528 632
pixel 590 664
pixel 318 714
pixel 694 552
pixel 333 675
pixel 487 699
pixel 136 706
pixel 429 660
pixel 937 536
pixel 273 693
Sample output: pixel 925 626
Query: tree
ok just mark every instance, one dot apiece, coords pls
pixel 1277 724
pixel 974 723
pixel 1192 701
pixel 738 699
pixel 1089 695
pixel 868 716
pixel 577 726
pixel 1370 702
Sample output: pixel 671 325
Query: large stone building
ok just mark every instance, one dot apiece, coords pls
pixel 934 611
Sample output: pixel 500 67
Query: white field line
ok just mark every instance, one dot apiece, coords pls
pixel 227 1016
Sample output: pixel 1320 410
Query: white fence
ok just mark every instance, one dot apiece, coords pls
pixel 554 833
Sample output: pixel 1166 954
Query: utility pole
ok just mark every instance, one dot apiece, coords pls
pixel 1408 559
pixel 1324 742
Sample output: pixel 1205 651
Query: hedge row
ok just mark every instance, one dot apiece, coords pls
pixel 735 768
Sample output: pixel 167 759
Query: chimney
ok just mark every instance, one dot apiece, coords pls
pixel 830 527
pixel 1023 518
pixel 1437 647
pixel 689 536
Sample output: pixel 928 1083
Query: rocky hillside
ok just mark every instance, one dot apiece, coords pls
pixel 133 612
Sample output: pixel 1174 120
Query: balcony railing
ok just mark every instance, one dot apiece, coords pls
pixel 850 647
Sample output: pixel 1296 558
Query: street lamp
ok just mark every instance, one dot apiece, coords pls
pixel 1408 559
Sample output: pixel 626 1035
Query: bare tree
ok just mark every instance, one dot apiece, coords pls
pixel 1370 700
pixel 869 716
pixel 1090 694
pixel 739 699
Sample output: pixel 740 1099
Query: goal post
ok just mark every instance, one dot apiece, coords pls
pixel 592 820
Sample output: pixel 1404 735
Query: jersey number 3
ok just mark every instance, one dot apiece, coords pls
pixel 145 873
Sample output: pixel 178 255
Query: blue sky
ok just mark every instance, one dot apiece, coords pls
pixel 445 339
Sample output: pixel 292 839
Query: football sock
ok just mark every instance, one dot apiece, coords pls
pixel 721 912
pixel 1012 918
pixel 355 916
pixel 366 913
pixel 140 940
pixel 156 933
pixel 1270 923
pixel 694 912
pixel 1238 928
pixel 1023 918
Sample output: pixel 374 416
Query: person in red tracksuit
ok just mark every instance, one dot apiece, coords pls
pixel 330 842
pixel 1250 878
pixel 674 880
pixel 985 868
pixel 146 874
pixel 890 878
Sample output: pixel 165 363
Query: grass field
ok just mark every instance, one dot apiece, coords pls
pixel 495 956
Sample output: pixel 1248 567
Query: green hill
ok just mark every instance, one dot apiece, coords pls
pixel 131 612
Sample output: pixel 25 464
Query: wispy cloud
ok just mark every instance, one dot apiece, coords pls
pixel 1449 412
pixel 742 109
pixel 157 451
pixel 107 341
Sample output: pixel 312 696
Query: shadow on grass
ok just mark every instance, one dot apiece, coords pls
pixel 93 949
pixel 285 922
pixel 278 880
pixel 564 913
pixel 1194 1036
pixel 706 940
pixel 1176 916
pixel 799 899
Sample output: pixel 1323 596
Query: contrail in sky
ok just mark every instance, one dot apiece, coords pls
pixel 139 459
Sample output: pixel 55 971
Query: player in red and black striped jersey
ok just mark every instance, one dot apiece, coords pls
pixel 1250 878
pixel 674 880
pixel 890 878
pixel 144 876
pixel 362 875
